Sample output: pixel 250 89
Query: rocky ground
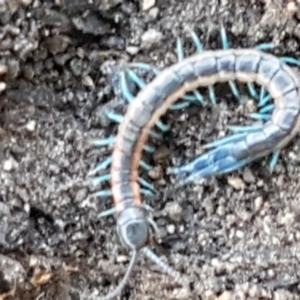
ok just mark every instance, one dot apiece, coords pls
pixel 232 236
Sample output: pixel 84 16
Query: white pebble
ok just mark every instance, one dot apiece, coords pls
pixel 30 126
pixel 151 37
pixel 147 4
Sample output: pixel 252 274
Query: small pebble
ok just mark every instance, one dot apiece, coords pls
pixel 174 211
pixel 248 176
pixel 171 229
pixel 132 50
pixel 161 154
pixel 3 69
pixel 2 87
pixel 156 172
pixel 226 296
pixel 257 203
pixel 153 13
pixel 88 81
pixel 236 182
pixel 239 234
pixel 122 259
pixel 151 38
pixel 26 3
pixel 30 126
pixel 147 4
pixel 9 165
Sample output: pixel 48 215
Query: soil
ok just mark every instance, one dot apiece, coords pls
pixel 236 236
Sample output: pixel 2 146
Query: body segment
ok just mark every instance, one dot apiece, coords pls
pixel 201 70
pixel 207 68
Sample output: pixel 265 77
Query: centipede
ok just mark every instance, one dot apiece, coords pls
pixel 177 87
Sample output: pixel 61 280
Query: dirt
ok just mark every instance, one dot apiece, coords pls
pixel 233 237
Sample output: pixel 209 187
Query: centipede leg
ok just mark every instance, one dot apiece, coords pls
pixel 103 142
pixel 291 61
pixel 107 177
pixel 128 95
pixel 222 168
pixel 265 46
pixel 267 109
pixel 259 116
pixel 225 140
pixel 187 98
pixel 102 166
pixel 107 162
pixel 226 45
pixel 108 193
pixel 141 84
pixel 118 118
pixel 111 211
pixel 248 129
pixel 146 184
pixel 180 55
pixel 274 161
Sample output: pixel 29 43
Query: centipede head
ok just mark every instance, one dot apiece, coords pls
pixel 134 231
pixel 133 228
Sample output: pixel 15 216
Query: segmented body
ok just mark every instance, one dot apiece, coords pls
pixel 247 144
pixel 200 70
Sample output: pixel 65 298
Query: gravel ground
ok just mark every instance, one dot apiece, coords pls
pixel 233 236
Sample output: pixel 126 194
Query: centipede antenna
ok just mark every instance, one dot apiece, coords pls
pixel 152 256
pixel 154 226
pixel 121 285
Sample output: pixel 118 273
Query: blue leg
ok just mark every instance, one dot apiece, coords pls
pixel 104 165
pixel 147 185
pixel 145 166
pixel 226 140
pixel 227 165
pixel 264 101
pixel 180 55
pixel 107 213
pixel 243 129
pixel 104 194
pixel 252 91
pixel 107 162
pixel 197 42
pixel 274 161
pixel 111 211
pixel 149 149
pixel 226 45
pixel 259 116
pixel 212 95
pixel 118 119
pixel 188 98
pixel 267 109
pixel 100 179
pixel 216 162
pixel 291 61
pixel 108 193
pixel 114 116
pixel 103 142
pixel 200 48
pixel 129 97
pixel 107 177
pixel 265 46
pixel 141 84
pixel 264 97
